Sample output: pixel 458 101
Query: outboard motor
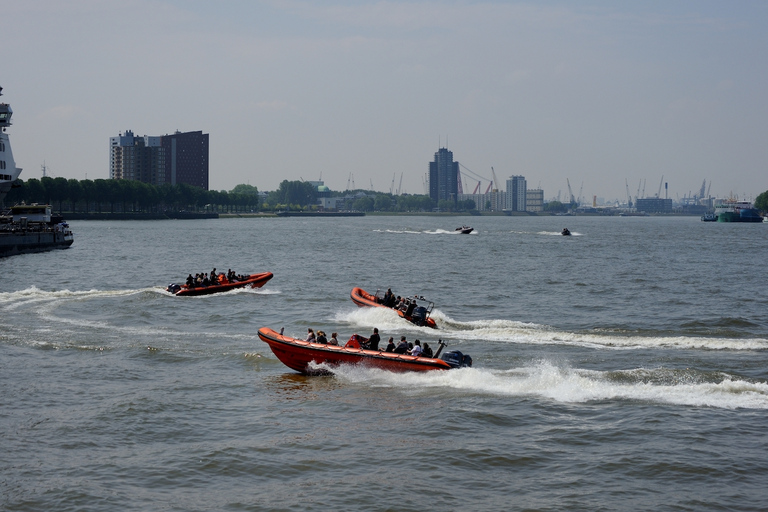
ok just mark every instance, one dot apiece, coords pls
pixel 456 359
pixel 173 288
pixel 419 315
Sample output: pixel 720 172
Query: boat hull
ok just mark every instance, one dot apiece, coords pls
pixel 302 356
pixel 364 299
pixel 254 281
pixel 24 243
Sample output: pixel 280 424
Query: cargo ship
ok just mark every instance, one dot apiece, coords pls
pixel 732 210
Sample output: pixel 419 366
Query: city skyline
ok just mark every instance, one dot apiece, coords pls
pixel 608 95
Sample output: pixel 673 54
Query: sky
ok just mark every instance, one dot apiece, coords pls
pixel 604 95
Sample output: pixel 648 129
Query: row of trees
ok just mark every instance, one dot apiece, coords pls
pixel 761 202
pixel 129 196
pixel 71 195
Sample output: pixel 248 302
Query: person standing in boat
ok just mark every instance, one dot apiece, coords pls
pixel 373 341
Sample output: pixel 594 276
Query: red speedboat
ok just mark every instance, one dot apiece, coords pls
pixel 254 281
pixel 418 314
pixel 298 354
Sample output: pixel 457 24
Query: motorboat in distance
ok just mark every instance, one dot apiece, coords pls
pixel 566 232
pixel 465 230
pixel 299 355
pixel 417 312
pixel 224 285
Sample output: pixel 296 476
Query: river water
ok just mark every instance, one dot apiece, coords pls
pixel 622 368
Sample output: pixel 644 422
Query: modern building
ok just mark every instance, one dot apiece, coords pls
pixel 534 200
pixel 172 159
pixel 516 194
pixel 443 176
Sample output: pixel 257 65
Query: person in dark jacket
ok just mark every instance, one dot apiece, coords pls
pixel 373 341
pixel 390 345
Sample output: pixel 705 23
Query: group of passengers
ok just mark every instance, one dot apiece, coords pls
pixel 321 338
pixel 404 347
pixel 403 304
pixel 213 278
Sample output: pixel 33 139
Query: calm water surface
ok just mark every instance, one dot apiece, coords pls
pixel 622 368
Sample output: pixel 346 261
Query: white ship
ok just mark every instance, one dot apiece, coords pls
pixel 8 170
pixel 25 228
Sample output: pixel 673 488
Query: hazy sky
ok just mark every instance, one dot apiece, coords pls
pixel 598 92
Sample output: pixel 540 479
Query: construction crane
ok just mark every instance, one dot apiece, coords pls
pixel 477 188
pixel 459 188
pixel 580 190
pixel 703 188
pixel 710 186
pixel 392 187
pixel 490 184
pixel 570 192
pixel 400 186
pixel 495 180
pixel 644 188
pixel 629 198
pixel 658 194
pixel 351 180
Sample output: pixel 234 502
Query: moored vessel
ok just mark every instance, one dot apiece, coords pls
pixel 732 210
pixel 25 228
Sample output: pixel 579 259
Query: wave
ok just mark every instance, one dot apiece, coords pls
pixel 10 301
pixel 549 381
pixel 422 232
pixel 510 331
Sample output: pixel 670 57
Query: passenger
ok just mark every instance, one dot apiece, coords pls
pixel 373 341
pixel 310 335
pixel 333 340
pixel 416 350
pixel 390 345
pixel 411 307
pixel 402 347
pixel 214 279
pixel 321 338
pixel 427 350
pixel 387 297
pixel 190 281
pixel 206 282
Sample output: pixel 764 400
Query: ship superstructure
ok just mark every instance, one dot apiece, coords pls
pixel 8 170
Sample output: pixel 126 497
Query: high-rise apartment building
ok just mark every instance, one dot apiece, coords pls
pixel 516 194
pixel 172 159
pixel 443 176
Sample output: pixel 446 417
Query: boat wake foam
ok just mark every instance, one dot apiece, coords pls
pixel 421 232
pixel 549 381
pixel 510 331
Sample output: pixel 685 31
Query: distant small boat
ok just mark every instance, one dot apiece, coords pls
pixel 565 232
pixel 709 217
pixel 465 230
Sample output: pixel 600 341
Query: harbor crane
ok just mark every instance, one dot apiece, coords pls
pixel 477 188
pixel 629 197
pixel 495 180
pixel 658 194
pixel 570 192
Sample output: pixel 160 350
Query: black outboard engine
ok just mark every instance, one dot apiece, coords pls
pixel 173 288
pixel 419 315
pixel 456 359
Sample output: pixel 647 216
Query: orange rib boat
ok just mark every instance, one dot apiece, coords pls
pixel 298 354
pixel 419 315
pixel 254 281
